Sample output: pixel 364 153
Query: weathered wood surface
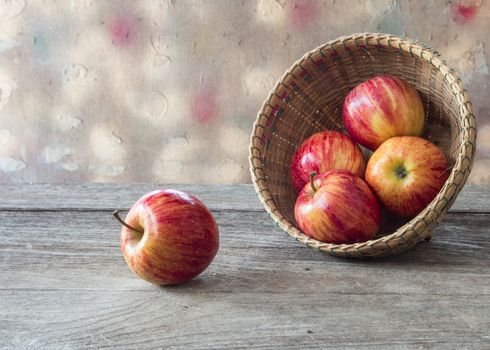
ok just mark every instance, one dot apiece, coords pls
pixel 122 196
pixel 64 284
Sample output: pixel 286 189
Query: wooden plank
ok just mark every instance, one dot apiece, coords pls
pixel 122 196
pixel 64 284
pixel 85 247
pixel 118 196
pixel 169 319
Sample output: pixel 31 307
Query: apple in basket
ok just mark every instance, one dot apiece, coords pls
pixel 380 108
pixel 406 173
pixel 168 237
pixel 323 151
pixel 337 207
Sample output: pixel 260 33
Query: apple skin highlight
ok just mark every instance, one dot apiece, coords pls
pixel 177 239
pixel 380 108
pixel 340 209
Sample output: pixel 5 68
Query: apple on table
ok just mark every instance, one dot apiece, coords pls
pixel 168 237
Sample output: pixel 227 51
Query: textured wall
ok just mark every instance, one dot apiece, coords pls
pixel 167 91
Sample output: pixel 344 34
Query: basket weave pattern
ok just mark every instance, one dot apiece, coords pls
pixel 309 97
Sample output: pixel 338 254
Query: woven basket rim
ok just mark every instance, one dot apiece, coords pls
pixel 450 189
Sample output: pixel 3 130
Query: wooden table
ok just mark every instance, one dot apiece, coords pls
pixel 65 285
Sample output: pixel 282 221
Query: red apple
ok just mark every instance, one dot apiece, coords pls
pixel 323 151
pixel 406 173
pixel 168 237
pixel 380 108
pixel 337 207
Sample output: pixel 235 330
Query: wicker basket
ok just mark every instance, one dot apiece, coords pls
pixel 309 98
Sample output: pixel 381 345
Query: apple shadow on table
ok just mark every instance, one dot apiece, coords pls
pixel 297 277
pixel 197 283
pixel 285 264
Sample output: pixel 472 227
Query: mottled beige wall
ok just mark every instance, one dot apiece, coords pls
pixel 167 91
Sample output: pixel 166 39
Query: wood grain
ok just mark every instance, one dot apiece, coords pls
pixel 167 319
pixel 122 196
pixel 118 196
pixel 64 285
pixel 85 248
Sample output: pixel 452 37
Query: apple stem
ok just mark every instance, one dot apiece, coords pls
pixel 312 181
pixel 118 218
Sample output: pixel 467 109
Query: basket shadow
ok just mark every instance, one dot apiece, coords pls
pixel 301 270
pixel 275 263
